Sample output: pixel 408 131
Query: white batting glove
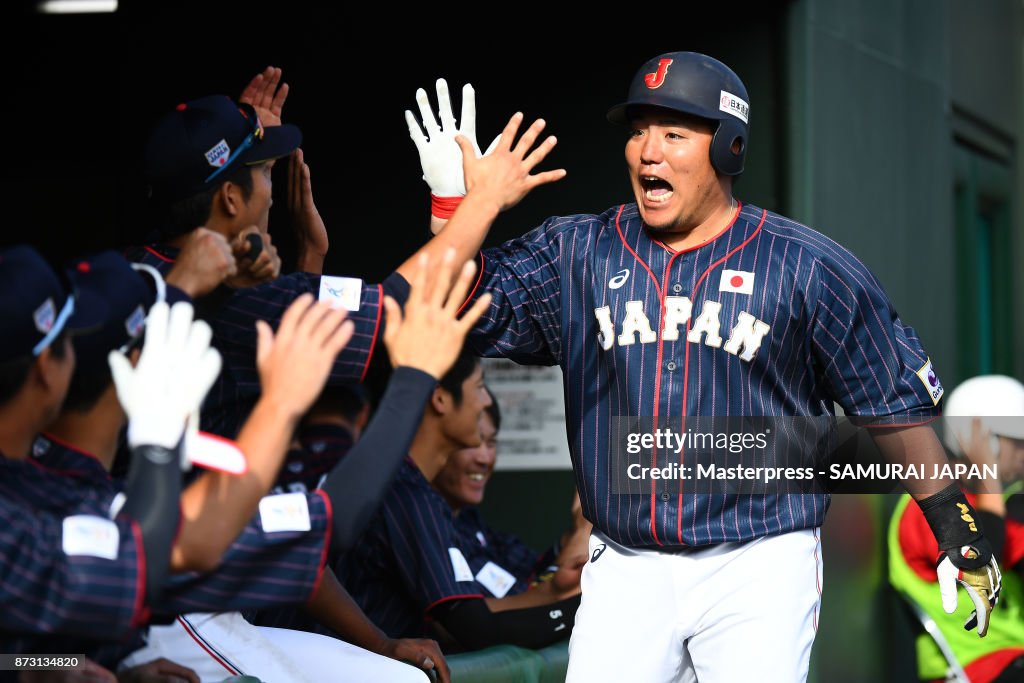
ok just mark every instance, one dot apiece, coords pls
pixel 175 371
pixel 982 584
pixel 440 156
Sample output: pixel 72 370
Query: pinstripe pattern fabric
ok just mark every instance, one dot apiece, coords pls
pixel 481 543
pixel 597 295
pixel 44 590
pixel 257 570
pixel 234 334
pixel 401 566
pixel 321 447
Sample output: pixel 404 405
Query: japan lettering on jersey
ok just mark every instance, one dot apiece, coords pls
pixel 767 318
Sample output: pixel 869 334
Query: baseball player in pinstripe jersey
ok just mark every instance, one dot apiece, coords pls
pixel 688 302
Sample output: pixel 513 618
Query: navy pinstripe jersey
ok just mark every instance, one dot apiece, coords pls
pixel 45 590
pixel 481 543
pixel 320 447
pixel 641 330
pixel 403 565
pixel 234 334
pixel 258 569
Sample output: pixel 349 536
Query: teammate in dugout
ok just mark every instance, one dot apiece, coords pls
pixel 502 563
pixel 67 569
pixel 688 302
pixel 283 565
pixel 408 572
pixel 208 163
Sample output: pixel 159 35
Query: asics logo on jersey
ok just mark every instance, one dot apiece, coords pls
pixel 597 552
pixel 655 79
pixel 619 279
pixel 744 340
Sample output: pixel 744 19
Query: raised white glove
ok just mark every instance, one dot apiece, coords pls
pixel 440 156
pixel 174 373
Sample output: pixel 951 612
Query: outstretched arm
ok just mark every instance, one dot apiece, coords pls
pixel 494 183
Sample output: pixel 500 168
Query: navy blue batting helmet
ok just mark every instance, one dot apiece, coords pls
pixel 699 85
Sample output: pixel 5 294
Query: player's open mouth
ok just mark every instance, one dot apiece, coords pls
pixel 476 476
pixel 655 189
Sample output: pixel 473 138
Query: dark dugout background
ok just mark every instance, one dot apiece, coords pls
pixel 82 92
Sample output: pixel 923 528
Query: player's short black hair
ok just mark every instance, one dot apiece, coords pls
pixel 14 372
pixel 493 411
pixel 185 215
pixel 465 365
pixel 87 385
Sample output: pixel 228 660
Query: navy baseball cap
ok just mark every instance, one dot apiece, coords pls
pixel 107 282
pixel 192 147
pixel 35 305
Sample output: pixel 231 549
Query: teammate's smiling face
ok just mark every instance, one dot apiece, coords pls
pixel 668 154
pixel 462 422
pixel 465 475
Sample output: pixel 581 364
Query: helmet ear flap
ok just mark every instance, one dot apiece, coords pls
pixel 729 147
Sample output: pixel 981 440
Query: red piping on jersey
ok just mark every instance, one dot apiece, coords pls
pixel 70 447
pixel 739 207
pixel 322 566
pixel 160 256
pixel 140 614
pixel 476 285
pixel 657 381
pixel 468 596
pixel 376 330
pixel 686 362
pixel 190 630
pixel 661 327
pixel 618 228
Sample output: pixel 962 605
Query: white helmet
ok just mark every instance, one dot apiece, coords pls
pixel 997 399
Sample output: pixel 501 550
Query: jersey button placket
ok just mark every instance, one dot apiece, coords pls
pixel 677 288
pixel 671 366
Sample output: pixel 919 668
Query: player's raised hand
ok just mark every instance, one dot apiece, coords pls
pixel 265 96
pixel 294 361
pixel 310 232
pixel 429 334
pixel 176 369
pixel 504 176
pixel 420 652
pixel 440 156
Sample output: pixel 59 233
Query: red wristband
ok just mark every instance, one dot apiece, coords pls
pixel 444 207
